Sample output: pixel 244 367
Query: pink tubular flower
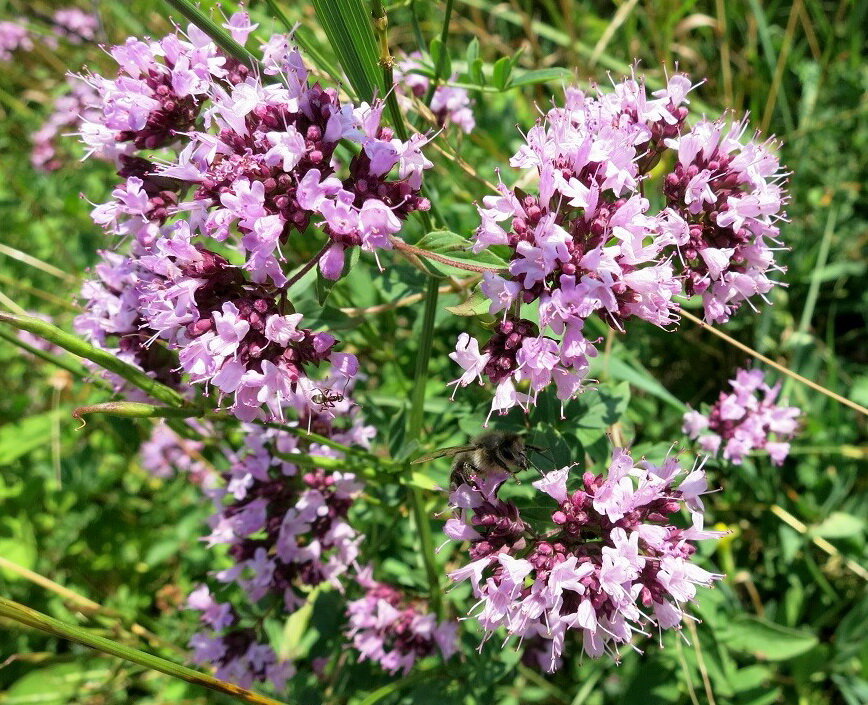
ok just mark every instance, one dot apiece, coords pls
pixel 609 564
pixel 746 419
pixel 586 241
pixel 387 628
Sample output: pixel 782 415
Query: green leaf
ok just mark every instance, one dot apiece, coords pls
pixel 56 684
pixel 456 248
pixel 17 545
pixel 531 78
pixel 603 407
pixel 766 640
pixel 104 359
pixel 475 72
pixel 347 24
pixel 28 434
pixel 323 287
pixel 476 305
pixel 440 58
pixel 642 379
pixel 839 525
pixel 443 241
pixel 24 615
pixel 472 51
pixel 501 73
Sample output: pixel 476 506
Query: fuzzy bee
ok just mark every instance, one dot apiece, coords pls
pixel 489 452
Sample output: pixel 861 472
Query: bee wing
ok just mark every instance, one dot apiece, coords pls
pixel 443 453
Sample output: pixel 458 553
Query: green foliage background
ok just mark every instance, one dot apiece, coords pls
pixel 788 624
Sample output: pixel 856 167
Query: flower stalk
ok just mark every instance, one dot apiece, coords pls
pixel 36 620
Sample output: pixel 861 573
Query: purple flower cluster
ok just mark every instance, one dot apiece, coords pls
pixel 745 419
pixel 588 242
pixel 166 453
pixel 286 526
pixel 259 160
pixel 13 36
pixel 287 531
pixel 450 104
pixel 610 563
pixel 393 632
pixel 236 651
pixel 729 193
pixel 68 109
pixel 75 25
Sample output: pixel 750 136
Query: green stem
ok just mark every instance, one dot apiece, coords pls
pixel 381 27
pixel 279 14
pixel 414 429
pixel 106 360
pixel 24 615
pixel 438 68
pixel 68 365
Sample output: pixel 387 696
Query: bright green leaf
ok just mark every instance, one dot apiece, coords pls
pixel 766 640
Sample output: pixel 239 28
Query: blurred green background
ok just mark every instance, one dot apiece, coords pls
pixel 789 623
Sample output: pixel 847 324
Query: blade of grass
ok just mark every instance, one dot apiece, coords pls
pixel 37 263
pixel 104 359
pixel 769 55
pixel 70 365
pixel 31 618
pixel 771 363
pixel 348 27
pixel 84 604
pixel 305 40
pixel 563 39
pixel 617 20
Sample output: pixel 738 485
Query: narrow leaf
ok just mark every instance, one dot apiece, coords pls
pixel 28 434
pixel 476 305
pixel 500 76
pixel 104 359
pixel 766 640
pixel 472 50
pixel 640 378
pixel 476 73
pixel 440 57
pixel 530 78
pixel 347 25
pixel 24 615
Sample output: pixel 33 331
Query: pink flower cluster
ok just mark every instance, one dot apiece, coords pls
pixel 610 563
pixel 165 453
pixel 13 36
pixel 450 104
pixel 241 658
pixel 287 531
pixel 75 25
pixel 68 110
pixel 259 160
pixel 745 419
pixel 393 632
pixel 586 240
